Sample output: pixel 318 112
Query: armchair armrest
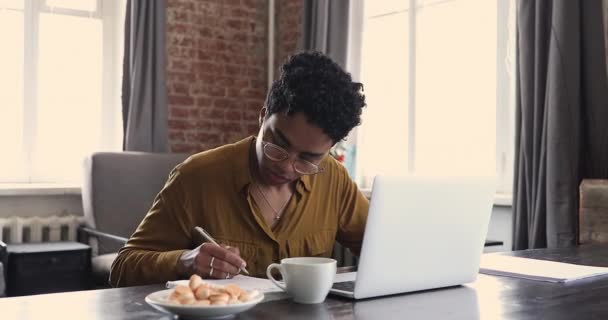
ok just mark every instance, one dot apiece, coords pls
pixel 3 252
pixel 86 232
pixel 4 264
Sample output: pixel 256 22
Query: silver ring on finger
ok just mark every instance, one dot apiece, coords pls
pixel 211 272
pixel 211 263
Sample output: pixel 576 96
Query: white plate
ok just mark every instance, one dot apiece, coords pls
pixel 159 301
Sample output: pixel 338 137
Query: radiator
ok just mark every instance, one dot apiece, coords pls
pixel 39 229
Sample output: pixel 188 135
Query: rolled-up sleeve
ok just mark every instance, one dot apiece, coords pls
pixel 152 252
pixel 353 215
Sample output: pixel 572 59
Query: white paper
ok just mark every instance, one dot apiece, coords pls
pixel 535 269
pixel 245 282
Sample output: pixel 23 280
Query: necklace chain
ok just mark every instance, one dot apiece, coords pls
pixel 277 213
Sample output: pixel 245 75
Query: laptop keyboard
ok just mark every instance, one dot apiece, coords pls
pixel 344 286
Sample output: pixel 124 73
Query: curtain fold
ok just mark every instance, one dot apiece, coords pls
pixel 326 28
pixel 562 106
pixel 144 95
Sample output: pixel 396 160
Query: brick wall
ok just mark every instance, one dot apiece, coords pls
pixel 217 67
pixel 288 32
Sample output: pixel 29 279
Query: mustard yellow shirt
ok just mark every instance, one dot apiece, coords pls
pixel 211 190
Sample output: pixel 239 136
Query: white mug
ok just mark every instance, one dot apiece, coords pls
pixel 307 279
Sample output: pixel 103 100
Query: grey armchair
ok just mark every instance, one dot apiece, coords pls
pixel 117 192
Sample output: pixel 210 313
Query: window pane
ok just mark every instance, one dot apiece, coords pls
pixel 85 5
pixel 377 8
pixel 11 96
pixel 69 95
pixel 382 140
pixel 456 88
pixel 12 4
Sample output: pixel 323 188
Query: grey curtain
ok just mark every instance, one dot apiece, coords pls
pixel 561 115
pixel 144 95
pixel 326 28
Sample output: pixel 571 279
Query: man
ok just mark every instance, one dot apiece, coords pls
pixel 263 198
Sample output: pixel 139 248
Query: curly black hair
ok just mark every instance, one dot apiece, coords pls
pixel 313 84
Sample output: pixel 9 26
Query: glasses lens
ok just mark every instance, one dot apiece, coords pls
pixel 305 167
pixel 275 153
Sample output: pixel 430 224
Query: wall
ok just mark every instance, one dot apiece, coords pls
pixel 288 31
pixel 216 71
pixel 217 67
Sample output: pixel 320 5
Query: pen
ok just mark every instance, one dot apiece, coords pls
pixel 210 239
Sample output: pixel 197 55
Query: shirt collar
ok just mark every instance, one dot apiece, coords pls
pixel 242 173
pixel 305 181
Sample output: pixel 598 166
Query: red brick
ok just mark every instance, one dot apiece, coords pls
pixel 212 114
pixel 183 148
pixel 204 125
pixel 204 102
pixel 252 3
pixel 176 28
pixel 254 105
pixel 180 124
pixel 229 126
pixel 257 84
pixel 176 136
pixel 255 71
pixel 199 137
pixel 253 93
pixel 239 13
pixel 250 116
pixel 234 70
pixel 234 24
pixel 180 88
pixel 180 5
pixel 205 32
pixel 233 115
pixel 231 137
pixel 177 112
pixel 194 113
pixel 179 65
pixel 217 91
pixel 181 100
pixel 253 129
pixel 225 103
pixel 232 2
pixel 186 42
pixel 173 76
pixel 240 37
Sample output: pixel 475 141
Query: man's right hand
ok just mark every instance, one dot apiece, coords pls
pixel 211 261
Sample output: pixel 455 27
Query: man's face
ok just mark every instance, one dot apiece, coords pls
pixel 305 144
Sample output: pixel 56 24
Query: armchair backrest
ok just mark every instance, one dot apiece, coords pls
pixel 119 188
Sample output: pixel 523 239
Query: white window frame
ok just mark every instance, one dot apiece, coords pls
pixel 505 91
pixel 109 11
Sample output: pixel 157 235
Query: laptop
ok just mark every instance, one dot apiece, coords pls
pixel 422 233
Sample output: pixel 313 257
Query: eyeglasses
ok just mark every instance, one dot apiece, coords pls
pixel 278 154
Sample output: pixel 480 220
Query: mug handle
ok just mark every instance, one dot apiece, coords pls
pixel 271 278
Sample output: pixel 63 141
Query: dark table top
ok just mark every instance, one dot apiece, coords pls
pixel 489 297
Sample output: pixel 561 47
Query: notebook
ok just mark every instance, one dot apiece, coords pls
pixel 421 233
